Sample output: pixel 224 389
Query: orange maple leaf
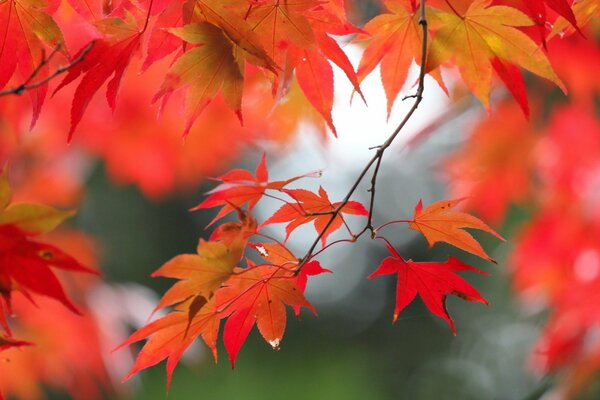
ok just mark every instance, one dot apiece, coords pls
pixel 280 256
pixel 240 187
pixel 257 294
pixel 438 223
pixel 281 23
pixel 395 42
pixel 171 335
pixel 203 273
pixel 479 36
pixel 207 69
pixel 196 313
pixel 313 207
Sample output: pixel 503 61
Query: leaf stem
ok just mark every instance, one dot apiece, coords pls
pixel 397 221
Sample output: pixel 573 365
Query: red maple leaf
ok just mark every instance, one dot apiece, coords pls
pixel 171 335
pixel 315 207
pixel 25 28
pixel 196 313
pixel 536 10
pixel 25 263
pixel 257 295
pixel 433 281
pixel 108 58
pixel 240 187
pixel 280 256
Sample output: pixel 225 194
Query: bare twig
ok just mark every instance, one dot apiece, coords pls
pixel 377 158
pixel 28 84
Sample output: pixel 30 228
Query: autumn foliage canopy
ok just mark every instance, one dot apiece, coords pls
pixel 123 81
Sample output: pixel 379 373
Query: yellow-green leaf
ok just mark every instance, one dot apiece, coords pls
pixel 205 70
pixel 34 219
pixel 483 33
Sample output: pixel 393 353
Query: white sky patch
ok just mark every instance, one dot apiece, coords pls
pixel 361 126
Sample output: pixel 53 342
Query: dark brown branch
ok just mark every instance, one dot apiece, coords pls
pixel 377 158
pixel 28 84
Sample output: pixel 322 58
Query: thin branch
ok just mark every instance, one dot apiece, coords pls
pixel 377 158
pixel 28 85
pixel 372 191
pixel 316 253
pixel 275 197
pixel 398 221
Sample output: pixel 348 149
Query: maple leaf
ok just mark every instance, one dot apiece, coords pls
pixel 200 274
pixel 25 27
pixel 306 205
pixel 536 10
pixel 24 263
pixel 513 80
pixel 203 273
pixel 330 48
pixel 280 256
pixel 315 77
pixel 226 15
pixel 240 187
pixel 296 35
pixel 438 223
pixel 109 57
pixel 481 34
pixel 257 295
pixel 433 281
pixel 279 24
pixel 161 42
pixel 171 335
pixel 395 43
pixel 195 313
pixel 207 69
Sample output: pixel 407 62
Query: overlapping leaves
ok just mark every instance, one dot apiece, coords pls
pixel 219 283
pixel 25 263
pixel 479 37
pixel 215 41
pixel 27 31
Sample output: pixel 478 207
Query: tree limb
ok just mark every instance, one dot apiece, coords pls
pixel 377 158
